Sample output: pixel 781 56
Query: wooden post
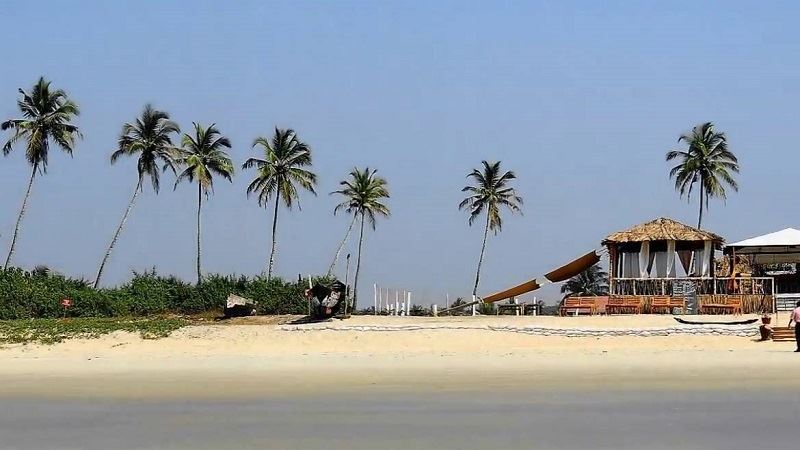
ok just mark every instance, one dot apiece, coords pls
pixel 346 287
pixel 612 267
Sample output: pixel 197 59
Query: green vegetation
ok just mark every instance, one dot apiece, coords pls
pixel 50 331
pixel 489 192
pixel 706 161
pixel 38 294
pixel 591 282
pixel 46 116
pixel 285 157
pixel 364 194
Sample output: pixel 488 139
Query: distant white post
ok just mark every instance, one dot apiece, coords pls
pixel 435 310
pixel 474 310
pixel 375 299
pixel 408 304
pixel 396 303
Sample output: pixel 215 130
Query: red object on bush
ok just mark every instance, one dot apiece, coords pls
pixel 66 302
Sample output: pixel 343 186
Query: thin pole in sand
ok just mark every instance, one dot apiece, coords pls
pixel 396 303
pixel 380 298
pixel 408 304
pixel 346 287
pixel 375 298
pixel 308 299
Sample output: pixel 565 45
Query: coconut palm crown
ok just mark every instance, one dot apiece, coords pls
pixel 202 154
pixel 591 282
pixel 149 138
pixel 279 173
pixel 488 193
pixel 47 116
pixel 707 162
pixel 364 195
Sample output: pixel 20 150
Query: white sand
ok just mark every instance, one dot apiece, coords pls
pixel 255 357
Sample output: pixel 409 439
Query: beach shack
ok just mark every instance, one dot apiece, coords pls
pixel 667 266
pixel 775 255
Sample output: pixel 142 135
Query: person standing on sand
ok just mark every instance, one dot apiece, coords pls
pixel 795 317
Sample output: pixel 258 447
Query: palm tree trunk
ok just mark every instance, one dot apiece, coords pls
pixel 480 260
pixel 116 234
pixel 358 263
pixel 199 207
pixel 341 245
pixel 702 191
pixel 274 228
pixel 19 218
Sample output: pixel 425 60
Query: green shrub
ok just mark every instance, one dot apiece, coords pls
pixel 38 294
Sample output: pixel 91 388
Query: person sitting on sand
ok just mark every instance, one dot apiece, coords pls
pixel 795 317
pixel 765 329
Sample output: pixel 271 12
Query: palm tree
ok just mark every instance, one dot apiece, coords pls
pixel 592 281
pixel 364 193
pixel 203 156
pixel 149 137
pixel 706 161
pixel 46 116
pixel 489 192
pixel 285 157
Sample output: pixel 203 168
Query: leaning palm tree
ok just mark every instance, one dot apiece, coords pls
pixel 285 157
pixel 706 161
pixel 149 137
pixel 592 281
pixel 203 155
pixel 46 117
pixel 364 193
pixel 341 246
pixel 488 193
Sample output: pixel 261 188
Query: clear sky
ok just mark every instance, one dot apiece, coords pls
pixel 580 99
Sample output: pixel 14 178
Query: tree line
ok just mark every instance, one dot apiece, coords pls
pixel 283 167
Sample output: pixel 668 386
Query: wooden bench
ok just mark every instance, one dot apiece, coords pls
pixel 783 334
pixel 667 304
pixel 578 304
pixel 626 304
pixel 721 304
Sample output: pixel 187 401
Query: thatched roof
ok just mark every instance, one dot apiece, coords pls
pixel 661 229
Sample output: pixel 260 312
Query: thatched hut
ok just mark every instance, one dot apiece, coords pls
pixel 649 250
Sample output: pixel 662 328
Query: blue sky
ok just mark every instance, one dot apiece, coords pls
pixel 581 99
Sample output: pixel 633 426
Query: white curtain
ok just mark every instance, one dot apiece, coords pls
pixel 661 264
pixel 706 263
pixel 630 265
pixel 670 259
pixel 644 260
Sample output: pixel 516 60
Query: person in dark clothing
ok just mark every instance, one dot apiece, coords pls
pixel 795 317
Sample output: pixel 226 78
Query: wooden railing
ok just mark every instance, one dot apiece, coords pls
pixel 693 286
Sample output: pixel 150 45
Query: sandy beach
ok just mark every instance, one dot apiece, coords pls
pixel 261 357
